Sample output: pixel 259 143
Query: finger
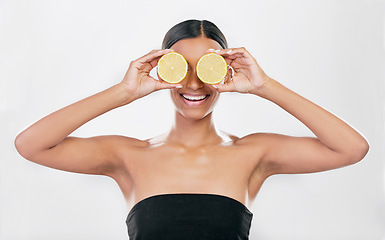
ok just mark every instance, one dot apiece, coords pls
pixel 165 85
pixel 230 74
pixel 231 55
pixel 234 57
pixel 153 55
pixel 219 51
pixel 231 51
pixel 228 54
pixel 227 87
pixel 154 62
pixel 150 60
pixel 239 59
pixel 211 50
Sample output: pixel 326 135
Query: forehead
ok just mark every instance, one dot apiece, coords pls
pixel 193 48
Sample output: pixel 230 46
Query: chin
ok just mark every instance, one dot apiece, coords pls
pixel 193 115
pixel 194 107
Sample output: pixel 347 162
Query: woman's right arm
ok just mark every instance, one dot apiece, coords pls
pixel 46 142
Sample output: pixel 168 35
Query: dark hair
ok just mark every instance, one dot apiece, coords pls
pixel 191 29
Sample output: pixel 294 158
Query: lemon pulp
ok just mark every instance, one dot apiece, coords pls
pixel 212 68
pixel 172 67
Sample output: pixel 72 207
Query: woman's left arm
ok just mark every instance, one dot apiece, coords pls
pixel 336 144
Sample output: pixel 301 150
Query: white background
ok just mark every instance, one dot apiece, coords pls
pixel 53 53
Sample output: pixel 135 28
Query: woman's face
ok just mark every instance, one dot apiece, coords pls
pixel 195 99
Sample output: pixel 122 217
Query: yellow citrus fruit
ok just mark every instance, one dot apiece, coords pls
pixel 211 68
pixel 172 67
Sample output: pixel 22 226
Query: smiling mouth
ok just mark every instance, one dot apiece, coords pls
pixel 195 98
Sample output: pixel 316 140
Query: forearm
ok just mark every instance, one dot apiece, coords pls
pixel 331 131
pixel 55 127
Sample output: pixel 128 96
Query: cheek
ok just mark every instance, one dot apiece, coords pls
pixel 175 98
pixel 215 99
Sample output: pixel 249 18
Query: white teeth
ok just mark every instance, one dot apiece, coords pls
pixel 194 98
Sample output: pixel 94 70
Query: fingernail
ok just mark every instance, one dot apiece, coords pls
pixel 211 49
pixel 230 51
pixel 215 87
pixel 178 86
pixel 216 51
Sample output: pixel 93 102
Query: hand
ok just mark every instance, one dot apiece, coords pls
pixel 248 75
pixel 137 80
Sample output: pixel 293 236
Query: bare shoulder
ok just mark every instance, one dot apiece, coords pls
pixel 120 145
pixel 119 140
pixel 227 137
pixel 258 138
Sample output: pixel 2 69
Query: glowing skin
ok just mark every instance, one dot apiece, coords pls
pixel 193 157
pixel 193 88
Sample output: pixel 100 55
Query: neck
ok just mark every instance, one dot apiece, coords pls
pixel 193 133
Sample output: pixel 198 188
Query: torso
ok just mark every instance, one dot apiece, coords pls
pixel 229 169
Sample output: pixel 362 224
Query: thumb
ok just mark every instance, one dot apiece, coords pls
pixel 227 87
pixel 164 85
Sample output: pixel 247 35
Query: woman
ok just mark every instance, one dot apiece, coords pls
pixel 193 182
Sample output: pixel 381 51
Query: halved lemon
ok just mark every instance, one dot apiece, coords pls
pixel 172 67
pixel 211 68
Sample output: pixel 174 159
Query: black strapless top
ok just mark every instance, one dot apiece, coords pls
pixel 188 216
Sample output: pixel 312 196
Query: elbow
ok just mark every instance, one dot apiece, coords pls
pixel 358 151
pixel 19 144
pixel 22 146
pixel 364 149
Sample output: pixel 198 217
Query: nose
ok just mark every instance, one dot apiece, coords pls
pixel 192 81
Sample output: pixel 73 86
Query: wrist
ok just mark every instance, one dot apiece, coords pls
pixel 125 95
pixel 264 90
